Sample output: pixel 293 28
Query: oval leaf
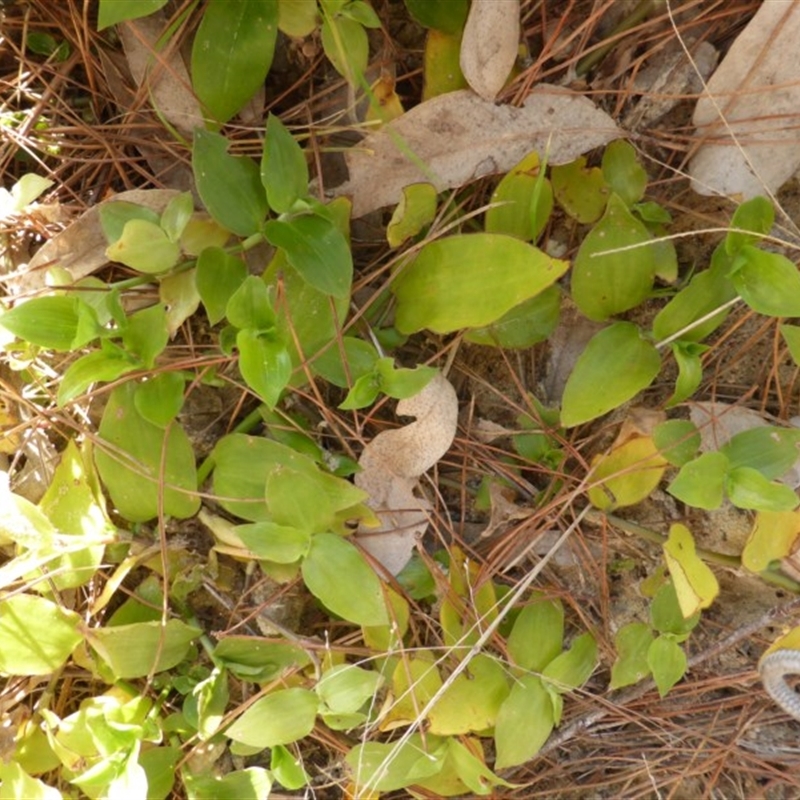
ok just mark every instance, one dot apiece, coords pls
pixel 36 635
pixel 229 186
pixel 616 365
pixel 232 53
pixel 445 287
pixel 338 576
pixel 608 279
pixel 524 722
pixel 695 583
pixel 317 249
pixel 281 717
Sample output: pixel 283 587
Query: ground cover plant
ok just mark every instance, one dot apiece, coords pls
pixel 384 487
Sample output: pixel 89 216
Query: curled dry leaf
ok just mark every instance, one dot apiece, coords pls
pixel 756 90
pixel 489 45
pixel 391 466
pixel 460 137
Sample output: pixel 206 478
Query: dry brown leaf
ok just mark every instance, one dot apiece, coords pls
pixel 757 90
pixel 489 45
pixel 460 137
pixel 81 247
pixel 391 466
pixel 162 73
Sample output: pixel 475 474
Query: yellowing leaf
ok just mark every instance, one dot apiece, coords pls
pixel 472 701
pixel 627 474
pixel 695 583
pixel 772 538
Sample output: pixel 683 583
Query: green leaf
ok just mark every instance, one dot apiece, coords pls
pixel 284 171
pixel 522 201
pixel 16 784
pixel 666 615
pixel 444 288
pixel 310 322
pixel 748 488
pixel 258 660
pixel 287 768
pixel 537 635
pixel 572 668
pixel 253 783
pixel 176 216
pixel 297 18
pixel 265 364
pixel 605 283
pixel 678 441
pixel 346 45
pixel 242 464
pixel 706 292
pixel 791 335
pixel 632 643
pixel 250 305
pixel 116 214
pixel 296 498
pixel 317 249
pixel 389 766
pixel 362 12
pixel 615 366
pixel 49 322
pixel 690 370
pixel 144 247
pixel 667 662
pixel 473 699
pixel 345 688
pixel 448 16
pixel 524 722
pixel 74 505
pixel 339 577
pixel 160 398
pixel 756 216
pixel 146 333
pixel 218 276
pixel 700 482
pixel 131 456
pixel 229 186
pixel 768 282
pixel 232 53
pixel 136 650
pixel 113 11
pixel 770 449
pixel 108 364
pixel 282 717
pixel 270 541
pixel 580 190
pixel 36 635
pixel 623 172
pixel 530 322
pixel 416 209
pixel 401 383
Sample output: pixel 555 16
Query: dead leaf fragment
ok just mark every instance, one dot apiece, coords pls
pixel 458 137
pixel 391 466
pixel 163 74
pixel 756 89
pixel 489 45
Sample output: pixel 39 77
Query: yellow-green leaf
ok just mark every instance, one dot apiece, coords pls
pixel 445 287
pixel 695 583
